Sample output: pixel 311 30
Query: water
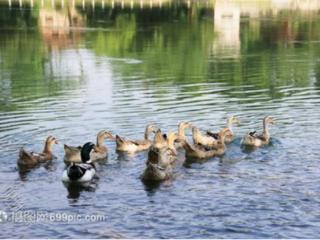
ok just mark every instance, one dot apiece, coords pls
pixel 120 67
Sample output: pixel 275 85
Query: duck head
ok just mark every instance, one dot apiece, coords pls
pixel 150 129
pixel 235 120
pixel 223 133
pixel 184 125
pixel 86 151
pixel 181 129
pixel 160 139
pixel 232 120
pixel 172 138
pixel 105 135
pixel 50 141
pixel 269 120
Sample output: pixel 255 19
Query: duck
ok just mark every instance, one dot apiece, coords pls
pixel 29 159
pixel 203 139
pixel 72 154
pixel 161 156
pixel 203 152
pixel 255 140
pixel 84 171
pixel 133 146
pixel 182 126
pixel 154 172
pixel 163 151
pixel 230 134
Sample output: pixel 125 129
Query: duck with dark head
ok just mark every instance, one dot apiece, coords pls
pixel 30 159
pixel 81 172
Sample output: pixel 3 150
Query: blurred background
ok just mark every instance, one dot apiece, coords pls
pixel 72 68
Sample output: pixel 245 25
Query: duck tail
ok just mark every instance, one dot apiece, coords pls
pixel 247 139
pixel 25 158
pixel 214 135
pixel 187 146
pixel 24 154
pixel 119 140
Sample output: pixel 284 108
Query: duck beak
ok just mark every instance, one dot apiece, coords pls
pixel 56 142
pixel 236 120
pixel 111 137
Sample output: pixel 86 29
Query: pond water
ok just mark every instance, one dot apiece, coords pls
pixel 72 69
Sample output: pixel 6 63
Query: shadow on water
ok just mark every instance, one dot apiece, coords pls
pixel 151 187
pixel 75 189
pixel 250 149
pixel 24 171
pixel 191 160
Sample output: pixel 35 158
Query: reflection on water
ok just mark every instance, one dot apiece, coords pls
pixel 72 68
pixel 55 27
pixel 75 189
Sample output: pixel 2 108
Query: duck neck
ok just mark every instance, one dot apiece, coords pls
pixel 146 134
pixel 222 138
pixel 171 142
pixel 158 139
pixel 265 129
pixel 100 141
pixel 229 124
pixel 47 148
pixel 181 132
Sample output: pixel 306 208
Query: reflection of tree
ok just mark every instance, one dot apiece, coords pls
pixel 176 43
pixel 22 53
pixel 59 28
pixel 227 27
pixel 172 46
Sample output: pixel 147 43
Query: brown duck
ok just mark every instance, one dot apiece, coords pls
pixel 257 140
pixel 202 152
pixel 161 156
pixel 132 146
pixel 182 134
pixel 229 135
pixel 29 159
pixel 72 154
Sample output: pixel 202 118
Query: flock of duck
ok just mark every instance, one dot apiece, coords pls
pixel 162 150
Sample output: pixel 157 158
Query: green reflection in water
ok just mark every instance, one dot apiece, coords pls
pixel 175 43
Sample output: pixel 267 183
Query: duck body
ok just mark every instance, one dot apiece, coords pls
pixel 182 134
pixel 198 151
pixel 204 140
pixel 161 157
pixel 29 159
pixel 132 146
pixel 72 154
pixel 203 152
pixel 228 139
pixel 229 134
pixel 258 140
pixel 154 172
pixel 81 172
